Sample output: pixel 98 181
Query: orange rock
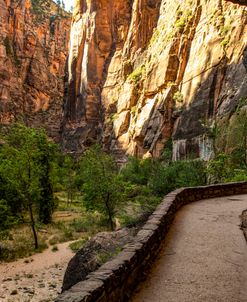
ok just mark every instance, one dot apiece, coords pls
pixel 159 67
pixel 33 51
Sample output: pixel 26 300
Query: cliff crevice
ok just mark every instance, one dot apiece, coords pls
pixel 152 70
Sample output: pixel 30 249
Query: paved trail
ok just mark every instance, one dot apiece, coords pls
pixel 204 258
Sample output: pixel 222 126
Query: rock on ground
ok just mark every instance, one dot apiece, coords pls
pixel 96 251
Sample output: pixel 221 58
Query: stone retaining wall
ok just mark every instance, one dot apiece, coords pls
pixel 116 279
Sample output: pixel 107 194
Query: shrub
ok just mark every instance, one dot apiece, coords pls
pixel 77 245
pixel 137 74
pixel 178 97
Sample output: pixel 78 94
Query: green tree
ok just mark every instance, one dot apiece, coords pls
pixel 184 173
pixel 25 164
pixel 218 168
pixel 46 153
pixel 101 185
pixel 63 5
pixel 6 217
pixel 237 139
pixel 68 177
pixel 138 171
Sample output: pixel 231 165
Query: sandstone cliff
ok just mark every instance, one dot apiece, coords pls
pixel 34 38
pixel 142 71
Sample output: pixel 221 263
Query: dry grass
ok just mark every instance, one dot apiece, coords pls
pixel 70 222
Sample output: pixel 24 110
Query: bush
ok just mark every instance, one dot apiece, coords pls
pixel 77 245
pixel 137 171
pixel 137 74
pixel 177 174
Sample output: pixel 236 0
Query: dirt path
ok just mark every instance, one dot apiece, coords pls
pixel 204 258
pixel 37 278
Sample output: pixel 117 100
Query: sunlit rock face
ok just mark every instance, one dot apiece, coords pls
pixel 143 71
pixel 33 49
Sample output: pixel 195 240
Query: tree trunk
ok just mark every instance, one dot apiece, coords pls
pixel 109 212
pixel 36 244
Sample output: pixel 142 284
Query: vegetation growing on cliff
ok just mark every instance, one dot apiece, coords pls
pixel 44 8
pixel 137 74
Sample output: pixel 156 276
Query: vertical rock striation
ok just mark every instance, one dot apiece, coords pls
pixel 34 37
pixel 143 71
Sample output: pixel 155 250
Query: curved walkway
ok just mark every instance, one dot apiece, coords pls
pixel 204 258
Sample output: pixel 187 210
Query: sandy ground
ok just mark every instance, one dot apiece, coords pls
pixel 204 258
pixel 37 278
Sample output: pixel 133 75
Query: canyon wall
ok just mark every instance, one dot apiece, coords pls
pixel 143 71
pixel 34 38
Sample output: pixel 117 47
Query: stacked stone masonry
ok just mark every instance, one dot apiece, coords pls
pixel 116 280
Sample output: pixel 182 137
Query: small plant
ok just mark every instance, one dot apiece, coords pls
pixel 242 102
pixel 77 245
pixel 14 292
pixel 8 46
pixel 224 30
pixel 114 117
pixel 54 240
pixel 54 248
pixel 134 110
pixel 225 42
pixel 103 257
pixel 180 23
pixel 52 25
pixel 137 74
pixel 184 18
pixel 178 97
pixel 170 84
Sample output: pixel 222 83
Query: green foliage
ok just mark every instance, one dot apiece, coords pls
pixel 54 248
pixel 53 18
pixel 66 177
pixel 25 164
pixel 237 139
pixel 77 245
pixel 105 256
pixel 11 52
pixel 161 177
pixel 47 8
pixel 242 102
pixel 225 42
pixel 101 185
pixel 224 30
pixel 37 6
pixel 7 219
pixel 183 18
pixel 218 169
pixel 137 171
pixel 8 46
pixel 167 153
pixel 137 74
pixel 186 173
pixel 178 97
pixel 230 162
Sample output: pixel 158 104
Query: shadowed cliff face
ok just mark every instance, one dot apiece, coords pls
pixel 142 71
pixel 33 48
pixel 98 47
pixel 241 2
